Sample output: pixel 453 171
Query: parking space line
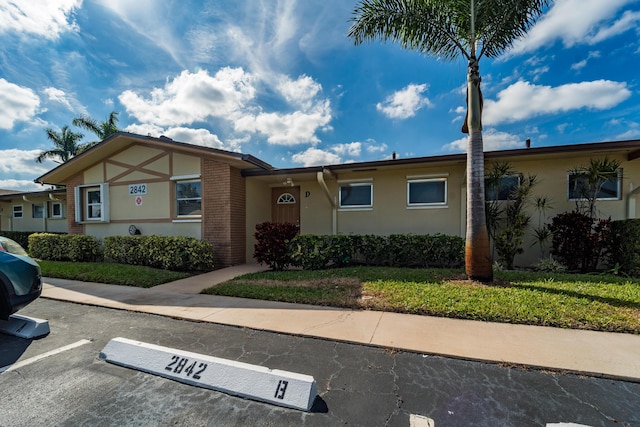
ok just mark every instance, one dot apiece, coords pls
pixel 42 356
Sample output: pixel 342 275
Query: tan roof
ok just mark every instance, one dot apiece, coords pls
pixel 122 140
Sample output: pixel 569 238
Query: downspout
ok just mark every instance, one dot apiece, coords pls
pixel 630 214
pixel 332 201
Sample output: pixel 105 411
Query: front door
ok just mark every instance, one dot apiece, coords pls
pixel 285 205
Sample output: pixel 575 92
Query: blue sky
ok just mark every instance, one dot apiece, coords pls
pixel 279 79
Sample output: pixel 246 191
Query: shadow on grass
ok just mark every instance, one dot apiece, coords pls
pixel 615 302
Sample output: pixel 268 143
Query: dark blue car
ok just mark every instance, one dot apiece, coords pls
pixel 20 278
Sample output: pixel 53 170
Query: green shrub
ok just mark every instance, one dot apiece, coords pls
pixel 64 247
pixel 175 253
pixel 624 246
pixel 398 250
pixel 550 265
pixel 579 241
pixel 272 244
pixel 317 252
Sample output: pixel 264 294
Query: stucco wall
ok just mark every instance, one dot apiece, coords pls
pixel 552 183
pixel 258 203
pixel 153 213
pixel 390 213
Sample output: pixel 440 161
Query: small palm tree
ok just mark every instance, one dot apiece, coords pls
pixel 65 145
pixel 449 29
pixel 589 183
pixel 102 130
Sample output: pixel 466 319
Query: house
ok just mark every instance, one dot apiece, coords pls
pixel 33 211
pixel 131 183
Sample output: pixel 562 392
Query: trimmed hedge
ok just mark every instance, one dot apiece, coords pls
pixel 165 252
pixel 64 247
pixel 397 250
pixel 624 246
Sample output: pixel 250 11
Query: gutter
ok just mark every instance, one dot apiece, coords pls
pixel 631 210
pixel 331 198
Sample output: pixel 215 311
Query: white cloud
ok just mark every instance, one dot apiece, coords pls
pixel 352 149
pixel 336 153
pixel 17 103
pixel 144 129
pixel 57 95
pixel 47 18
pixel 148 18
pixel 631 128
pixel 581 64
pixel 538 72
pixel 523 100
pixel 404 103
pixel 576 22
pixel 200 137
pixel 630 134
pixel 628 21
pixel 288 128
pixel 230 95
pixel 23 162
pixel 20 185
pixel 492 139
pixel 302 91
pixel 193 97
pixel 316 157
pixel 373 148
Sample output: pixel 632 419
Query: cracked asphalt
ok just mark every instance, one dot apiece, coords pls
pixel 357 385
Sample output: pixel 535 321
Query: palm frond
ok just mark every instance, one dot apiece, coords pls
pixel 443 27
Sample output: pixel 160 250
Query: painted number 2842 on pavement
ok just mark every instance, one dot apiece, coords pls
pixel 184 366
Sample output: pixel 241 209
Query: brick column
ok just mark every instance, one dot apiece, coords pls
pixel 72 226
pixel 223 212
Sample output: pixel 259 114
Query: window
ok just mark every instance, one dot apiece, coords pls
pixel 188 198
pixel 611 189
pixel 286 199
pixel 37 211
pixel 17 211
pixel 356 195
pixel 427 192
pixel 503 189
pixel 92 203
pixel 56 210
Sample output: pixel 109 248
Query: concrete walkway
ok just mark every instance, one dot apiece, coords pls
pixel 605 354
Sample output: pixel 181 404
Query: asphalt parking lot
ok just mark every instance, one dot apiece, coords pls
pixel 59 380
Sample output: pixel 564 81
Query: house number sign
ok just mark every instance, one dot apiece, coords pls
pixel 137 189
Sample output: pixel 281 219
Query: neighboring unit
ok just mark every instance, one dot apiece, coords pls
pixel 165 187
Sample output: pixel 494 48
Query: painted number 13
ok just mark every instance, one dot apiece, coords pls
pixel 281 389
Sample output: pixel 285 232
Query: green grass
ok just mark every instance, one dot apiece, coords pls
pixel 116 274
pixel 596 302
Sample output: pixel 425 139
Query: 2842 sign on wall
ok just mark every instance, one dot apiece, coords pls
pixel 137 189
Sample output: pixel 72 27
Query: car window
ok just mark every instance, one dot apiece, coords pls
pixel 12 247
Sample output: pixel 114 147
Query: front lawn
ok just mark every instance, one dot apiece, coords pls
pixel 112 273
pixel 597 302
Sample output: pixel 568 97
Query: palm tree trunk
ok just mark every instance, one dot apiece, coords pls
pixel 478 263
pixel 477 249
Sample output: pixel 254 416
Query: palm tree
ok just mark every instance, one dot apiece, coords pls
pixel 449 29
pixel 101 130
pixel 65 145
